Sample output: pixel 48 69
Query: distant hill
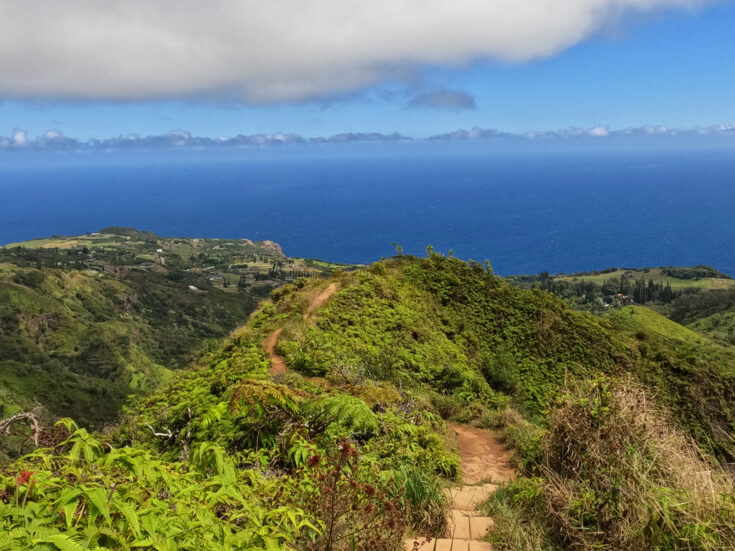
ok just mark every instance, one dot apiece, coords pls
pixel 704 277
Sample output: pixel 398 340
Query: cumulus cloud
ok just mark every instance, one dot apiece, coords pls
pixel 574 133
pixel 275 50
pixel 472 135
pixel 182 139
pixel 444 99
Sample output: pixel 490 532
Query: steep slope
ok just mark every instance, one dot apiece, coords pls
pixel 711 314
pixel 78 343
pixel 446 325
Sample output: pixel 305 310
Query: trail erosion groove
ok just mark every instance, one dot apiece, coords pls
pixel 278 364
pixel 485 462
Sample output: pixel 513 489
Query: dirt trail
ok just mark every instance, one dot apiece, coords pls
pixel 319 300
pixel 278 364
pixel 484 461
pixel 483 457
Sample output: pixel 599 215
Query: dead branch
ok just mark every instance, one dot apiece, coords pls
pixel 168 434
pixel 26 416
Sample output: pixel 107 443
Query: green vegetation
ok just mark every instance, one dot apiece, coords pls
pixel 704 277
pixel 711 314
pixel 260 463
pixel 349 450
pixel 473 342
pixel 87 320
pixel 615 287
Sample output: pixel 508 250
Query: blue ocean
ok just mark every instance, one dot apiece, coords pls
pixel 526 211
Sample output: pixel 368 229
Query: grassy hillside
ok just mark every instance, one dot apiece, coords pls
pixel 79 343
pixel 711 314
pixel 702 277
pixel 349 450
pixel 87 320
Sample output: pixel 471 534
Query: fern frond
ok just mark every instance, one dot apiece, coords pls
pixel 63 542
pixel 265 394
pixel 130 515
pixel 348 411
pixel 98 498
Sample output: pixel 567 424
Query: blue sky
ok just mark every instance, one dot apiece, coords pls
pixel 668 67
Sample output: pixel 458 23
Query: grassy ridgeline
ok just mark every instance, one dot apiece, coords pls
pixel 473 341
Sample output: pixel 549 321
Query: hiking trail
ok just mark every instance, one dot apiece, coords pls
pixel 484 463
pixel 278 364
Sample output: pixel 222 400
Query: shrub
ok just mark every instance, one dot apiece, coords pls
pixel 618 476
pixel 357 514
pixel 523 437
pixel 30 278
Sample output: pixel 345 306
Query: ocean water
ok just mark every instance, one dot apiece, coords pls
pixel 525 211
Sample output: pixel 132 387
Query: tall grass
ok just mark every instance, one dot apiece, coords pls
pixel 425 499
pixel 615 474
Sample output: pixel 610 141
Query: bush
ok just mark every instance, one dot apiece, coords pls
pixel 523 437
pixel 357 514
pixel 30 278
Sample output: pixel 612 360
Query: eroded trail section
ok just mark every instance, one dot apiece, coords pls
pixel 484 458
pixel 485 461
pixel 278 364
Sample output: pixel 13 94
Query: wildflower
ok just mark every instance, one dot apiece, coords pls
pixel 24 477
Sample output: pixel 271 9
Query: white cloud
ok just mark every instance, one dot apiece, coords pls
pixel 19 138
pixel 598 132
pixel 273 50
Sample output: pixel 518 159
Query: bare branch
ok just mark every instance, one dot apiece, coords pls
pixel 26 416
pixel 187 436
pixel 168 434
